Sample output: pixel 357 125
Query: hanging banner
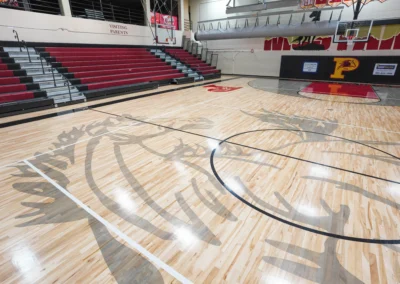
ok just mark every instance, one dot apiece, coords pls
pixel 334 3
pixel 348 3
pixel 307 4
pixel 321 3
pixel 13 3
pixel 165 21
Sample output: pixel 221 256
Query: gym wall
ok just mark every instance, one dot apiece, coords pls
pixel 38 27
pixel 255 56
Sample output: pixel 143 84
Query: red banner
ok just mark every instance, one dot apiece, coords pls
pixel 165 21
pixel 334 3
pixel 13 3
pixel 307 4
pixel 321 3
pixel 348 3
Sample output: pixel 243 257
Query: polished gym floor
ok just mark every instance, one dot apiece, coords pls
pixel 238 180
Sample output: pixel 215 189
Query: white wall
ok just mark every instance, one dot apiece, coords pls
pixel 37 27
pixel 203 10
pixel 235 56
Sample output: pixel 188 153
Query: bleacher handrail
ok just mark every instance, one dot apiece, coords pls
pixel 106 11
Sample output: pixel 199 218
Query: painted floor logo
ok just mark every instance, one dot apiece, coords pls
pixel 221 89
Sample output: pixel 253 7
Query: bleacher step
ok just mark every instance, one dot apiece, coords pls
pixel 66 98
pixel 17 49
pixel 51 92
pixel 50 84
pixel 41 78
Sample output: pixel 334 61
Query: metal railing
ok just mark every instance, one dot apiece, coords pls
pixel 209 56
pixel 214 60
pixel 27 50
pixel 271 18
pixel 186 44
pixel 204 54
pixel 189 47
pixel 106 11
pixel 38 6
pixel 194 48
pixel 199 52
pixel 22 45
pixel 68 84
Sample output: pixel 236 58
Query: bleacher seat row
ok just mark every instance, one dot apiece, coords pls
pixel 93 71
pixel 15 85
pixel 192 61
pixel 97 68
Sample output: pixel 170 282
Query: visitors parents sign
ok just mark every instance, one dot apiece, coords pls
pixel 118 29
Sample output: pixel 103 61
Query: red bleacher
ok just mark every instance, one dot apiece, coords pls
pixel 132 81
pixel 97 68
pixel 6 73
pixel 17 96
pixel 11 87
pixel 192 61
pixel 98 72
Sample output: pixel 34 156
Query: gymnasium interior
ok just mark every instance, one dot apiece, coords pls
pixel 199 141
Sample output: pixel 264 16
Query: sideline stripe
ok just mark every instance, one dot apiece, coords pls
pixel 117 101
pixel 272 152
pixel 158 262
pixel 112 131
pixel 305 118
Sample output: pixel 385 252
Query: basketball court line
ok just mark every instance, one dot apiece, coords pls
pixel 268 89
pixel 108 132
pixel 158 262
pixel 205 103
pixel 65 112
pixel 271 152
pixel 306 118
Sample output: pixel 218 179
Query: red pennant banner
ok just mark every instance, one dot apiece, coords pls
pixel 307 4
pixel 334 3
pixel 348 3
pixel 320 3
